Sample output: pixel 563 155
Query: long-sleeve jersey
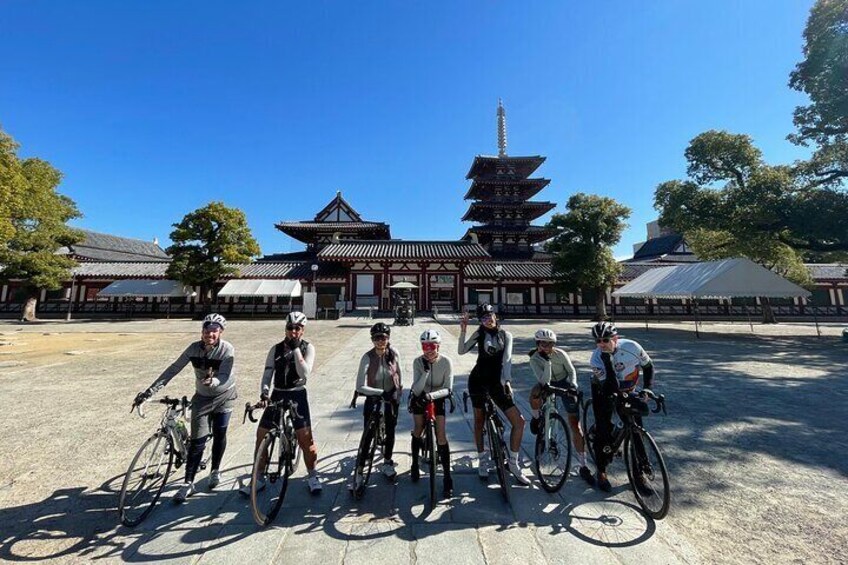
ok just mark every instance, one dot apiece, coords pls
pixel 555 369
pixel 302 364
pixel 492 346
pixel 383 380
pixel 216 362
pixel 437 379
pixel 625 362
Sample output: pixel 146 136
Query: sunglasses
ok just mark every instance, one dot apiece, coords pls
pixel 212 327
pixel 429 346
pixel 293 327
pixel 603 340
pixel 380 338
pixel 545 343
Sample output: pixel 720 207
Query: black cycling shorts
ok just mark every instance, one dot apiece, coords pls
pixel 300 416
pixel 419 404
pixel 478 386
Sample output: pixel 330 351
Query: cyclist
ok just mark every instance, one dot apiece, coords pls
pixel 287 369
pixel 616 364
pixel 379 378
pixel 213 401
pixel 433 380
pixel 492 374
pixel 552 366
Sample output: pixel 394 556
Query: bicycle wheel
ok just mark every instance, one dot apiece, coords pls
pixel 365 454
pixel 498 450
pixel 589 429
pixel 553 454
pixel 647 473
pixel 274 474
pixel 146 477
pixel 430 442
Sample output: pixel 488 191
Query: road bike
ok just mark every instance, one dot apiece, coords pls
pixel 274 462
pixel 493 429
pixel 553 442
pixel 429 449
pixel 150 468
pixel 646 469
pixel 373 436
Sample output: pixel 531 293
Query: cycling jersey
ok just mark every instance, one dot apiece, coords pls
pixel 216 362
pixel 557 368
pixel 627 359
pixel 494 352
pixel 379 373
pixel 435 378
pixel 287 368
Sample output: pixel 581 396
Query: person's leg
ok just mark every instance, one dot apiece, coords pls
pixel 603 409
pixel 536 402
pixel 444 454
pixel 220 423
pixel 390 412
pixel 516 420
pixel 418 429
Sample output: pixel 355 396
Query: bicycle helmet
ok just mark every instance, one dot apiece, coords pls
pixel 484 310
pixel 431 336
pixel 380 329
pixel 214 319
pixel 604 329
pixel 546 335
pixel 296 319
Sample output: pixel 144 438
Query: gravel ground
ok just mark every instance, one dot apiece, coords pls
pixel 755 440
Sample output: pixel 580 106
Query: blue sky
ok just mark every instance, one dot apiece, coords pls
pixel 152 109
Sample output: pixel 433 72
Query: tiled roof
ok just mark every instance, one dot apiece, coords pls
pixel 295 256
pixel 399 249
pixel 484 188
pixel 828 271
pixel 511 270
pixel 487 165
pixel 120 270
pixel 658 246
pixel 492 228
pixel 330 226
pixel 106 247
pixel 483 211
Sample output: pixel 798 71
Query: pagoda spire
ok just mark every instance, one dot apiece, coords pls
pixel 501 129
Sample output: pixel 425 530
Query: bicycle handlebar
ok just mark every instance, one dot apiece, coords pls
pixel 170 402
pixel 249 408
pixel 659 399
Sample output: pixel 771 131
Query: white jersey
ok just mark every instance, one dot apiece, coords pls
pixel 627 358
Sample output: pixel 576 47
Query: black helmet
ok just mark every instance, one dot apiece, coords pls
pixel 484 310
pixel 604 329
pixel 380 329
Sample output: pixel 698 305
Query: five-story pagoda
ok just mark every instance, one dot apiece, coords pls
pixel 501 190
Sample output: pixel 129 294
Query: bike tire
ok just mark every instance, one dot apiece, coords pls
pixel 367 448
pixel 266 503
pixel 553 454
pixel 498 450
pixel 162 451
pixel 589 430
pixel 653 502
pixel 430 442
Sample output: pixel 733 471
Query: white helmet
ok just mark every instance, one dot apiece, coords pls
pixel 296 319
pixel 215 319
pixel 545 335
pixel 431 336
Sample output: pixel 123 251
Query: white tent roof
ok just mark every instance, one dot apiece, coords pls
pixel 261 287
pixel 403 284
pixel 144 287
pixel 730 278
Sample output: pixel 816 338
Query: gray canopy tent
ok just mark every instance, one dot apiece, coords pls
pixel 145 288
pixel 729 278
pixel 261 287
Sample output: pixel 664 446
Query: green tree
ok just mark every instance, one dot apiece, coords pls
pixel 33 218
pixel 205 244
pixel 582 251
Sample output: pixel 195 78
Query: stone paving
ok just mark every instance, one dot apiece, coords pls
pixel 755 439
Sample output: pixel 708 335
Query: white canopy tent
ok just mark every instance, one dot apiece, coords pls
pixel 730 278
pixel 403 284
pixel 261 287
pixel 144 288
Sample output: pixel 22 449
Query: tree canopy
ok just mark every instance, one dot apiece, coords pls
pixel 582 251
pixel 206 242
pixel 33 218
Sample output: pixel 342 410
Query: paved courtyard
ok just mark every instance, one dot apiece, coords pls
pixel 755 440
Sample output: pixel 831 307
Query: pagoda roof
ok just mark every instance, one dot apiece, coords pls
pixel 338 210
pixel 399 250
pixel 97 246
pixel 482 188
pixel 533 234
pixel 510 270
pixel 482 211
pixel 516 167
pixel 308 231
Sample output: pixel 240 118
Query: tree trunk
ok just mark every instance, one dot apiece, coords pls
pixel 768 313
pixel 28 314
pixel 600 304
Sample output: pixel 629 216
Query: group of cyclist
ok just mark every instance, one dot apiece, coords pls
pixel 616 365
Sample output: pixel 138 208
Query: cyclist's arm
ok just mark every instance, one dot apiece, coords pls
pixel 172 371
pixel 362 379
pixel 463 346
pixel 419 377
pixel 506 371
pixel 445 391
pixel 267 375
pixel 541 369
pixel 648 373
pixel 571 373
pixel 225 370
pixel 303 365
pixel 399 370
pixel 610 383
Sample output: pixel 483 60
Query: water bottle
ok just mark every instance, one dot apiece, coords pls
pixel 182 430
